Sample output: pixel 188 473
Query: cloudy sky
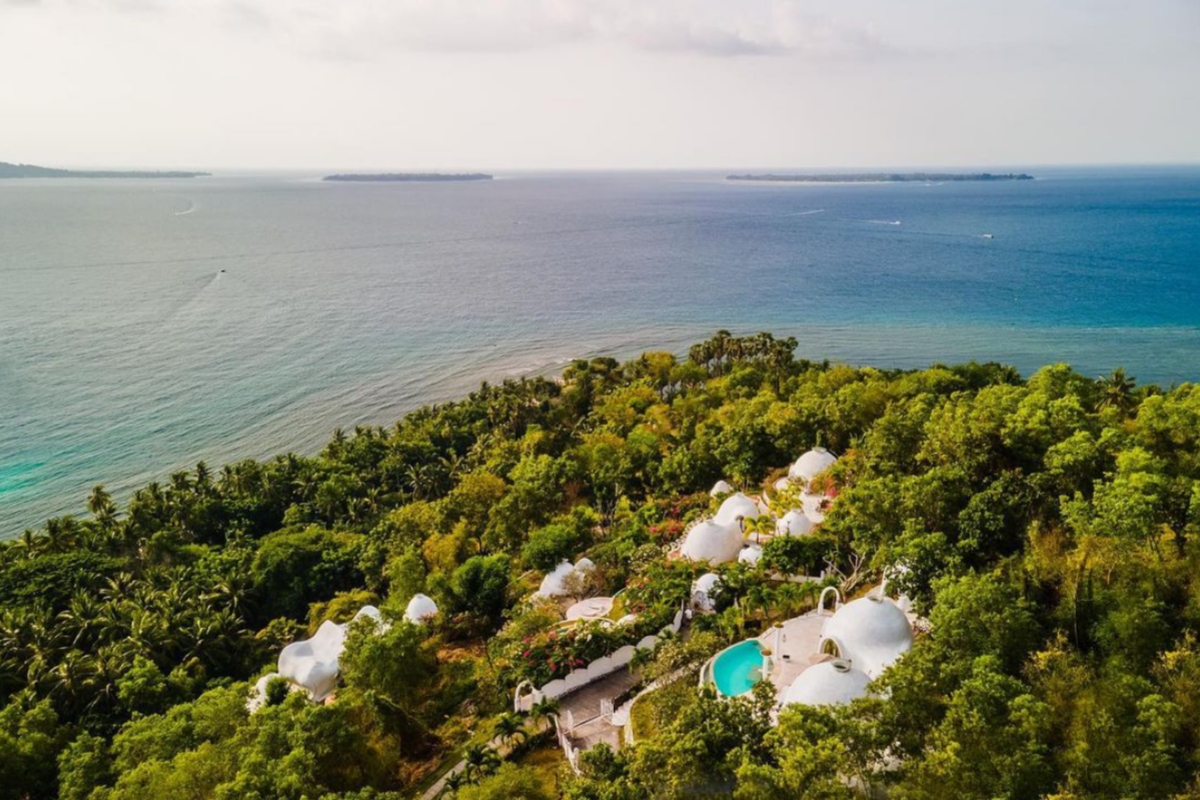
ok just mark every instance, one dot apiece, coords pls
pixel 495 84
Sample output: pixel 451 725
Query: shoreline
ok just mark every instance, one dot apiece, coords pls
pixel 379 403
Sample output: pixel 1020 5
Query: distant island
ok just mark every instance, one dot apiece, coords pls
pixel 30 171
pixel 885 177
pixel 412 177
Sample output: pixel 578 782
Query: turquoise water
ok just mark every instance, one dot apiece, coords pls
pixel 736 670
pixel 147 325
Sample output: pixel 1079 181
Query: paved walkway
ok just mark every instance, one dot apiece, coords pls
pixel 584 703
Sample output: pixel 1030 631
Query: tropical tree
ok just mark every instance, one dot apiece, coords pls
pixel 509 728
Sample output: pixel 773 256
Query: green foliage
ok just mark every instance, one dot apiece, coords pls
pixel 294 567
pixel 549 545
pixel 479 589
pixel 30 741
pixel 1046 528
pixel 390 668
pixel 510 782
pixel 797 555
pixel 277 691
pixel 52 578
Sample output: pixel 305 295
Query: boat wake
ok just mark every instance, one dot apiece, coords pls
pixel 191 207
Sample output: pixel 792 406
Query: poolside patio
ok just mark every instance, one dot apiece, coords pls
pixel 794 646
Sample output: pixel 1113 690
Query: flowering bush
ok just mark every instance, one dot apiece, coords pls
pixel 544 656
pixel 824 484
pixel 667 531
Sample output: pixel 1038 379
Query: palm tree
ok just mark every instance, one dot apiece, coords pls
pixel 101 506
pixel 480 760
pixel 1116 390
pixel 543 709
pixel 509 727
pixel 453 782
pixel 759 525
pixel 82 618
pixel 31 542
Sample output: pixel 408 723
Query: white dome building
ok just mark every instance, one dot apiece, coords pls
pixel 704 589
pixel 420 609
pixel 794 523
pixel 782 484
pixel 313 663
pixel 721 487
pixel 374 614
pixel 258 695
pixel 555 582
pixel 736 507
pixel 870 633
pixel 829 683
pixel 750 554
pixel 710 541
pixel 552 584
pixel 811 464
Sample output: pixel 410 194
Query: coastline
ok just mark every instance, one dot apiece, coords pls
pixel 306 426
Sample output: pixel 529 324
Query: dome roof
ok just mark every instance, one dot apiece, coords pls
pixel 721 487
pixel 711 541
pixel 554 584
pixel 869 632
pixel 373 613
pixel 794 523
pixel 750 554
pixel 313 663
pixel 420 608
pixel 828 683
pixel 703 589
pixel 812 464
pixel 736 506
pixel 781 484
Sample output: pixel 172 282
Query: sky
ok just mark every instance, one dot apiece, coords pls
pixel 598 84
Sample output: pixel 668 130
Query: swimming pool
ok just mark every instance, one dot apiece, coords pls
pixel 738 668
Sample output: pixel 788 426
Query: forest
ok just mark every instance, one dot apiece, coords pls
pixel 1047 529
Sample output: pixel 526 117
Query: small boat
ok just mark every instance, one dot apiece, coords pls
pixel 988 236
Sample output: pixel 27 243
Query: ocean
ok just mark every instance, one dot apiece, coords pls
pixel 146 325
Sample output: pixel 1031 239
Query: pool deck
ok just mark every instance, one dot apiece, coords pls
pixel 794 647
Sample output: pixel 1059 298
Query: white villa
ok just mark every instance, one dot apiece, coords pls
pixel 820 658
pixel 810 465
pixel 721 487
pixel 555 582
pixel 713 542
pixel 703 589
pixel 420 609
pixel 794 523
pixel 736 508
pixel 311 665
pixel 720 539
pixel 829 683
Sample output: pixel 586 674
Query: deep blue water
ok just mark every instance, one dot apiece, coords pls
pixel 125 352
